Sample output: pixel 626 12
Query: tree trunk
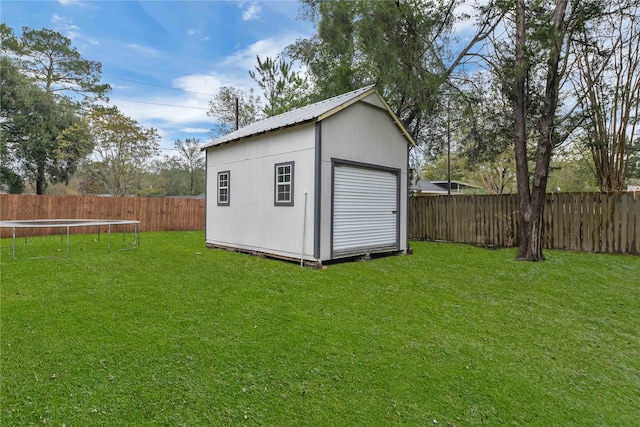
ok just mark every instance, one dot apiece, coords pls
pixel 41 180
pixel 526 235
pixel 532 200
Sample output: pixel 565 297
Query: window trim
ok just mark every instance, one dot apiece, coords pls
pixel 289 202
pixel 228 188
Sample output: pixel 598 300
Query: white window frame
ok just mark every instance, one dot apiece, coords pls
pixel 281 183
pixel 224 201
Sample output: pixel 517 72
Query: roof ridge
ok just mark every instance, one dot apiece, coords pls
pixel 299 115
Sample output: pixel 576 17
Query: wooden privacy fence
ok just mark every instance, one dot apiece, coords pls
pixel 154 214
pixel 589 222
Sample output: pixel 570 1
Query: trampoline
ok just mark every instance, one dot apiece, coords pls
pixel 68 224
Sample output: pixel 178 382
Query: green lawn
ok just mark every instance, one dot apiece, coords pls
pixel 175 334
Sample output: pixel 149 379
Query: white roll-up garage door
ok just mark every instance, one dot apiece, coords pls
pixel 365 210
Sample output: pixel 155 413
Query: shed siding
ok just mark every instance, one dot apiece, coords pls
pixel 252 221
pixel 361 133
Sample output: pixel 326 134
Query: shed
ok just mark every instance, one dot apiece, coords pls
pixel 316 184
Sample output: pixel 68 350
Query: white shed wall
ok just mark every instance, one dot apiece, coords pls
pixel 252 221
pixel 361 133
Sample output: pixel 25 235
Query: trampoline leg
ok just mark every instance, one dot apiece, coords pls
pixel 68 244
pixel 14 243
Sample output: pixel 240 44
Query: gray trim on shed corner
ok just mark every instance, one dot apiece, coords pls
pixel 317 188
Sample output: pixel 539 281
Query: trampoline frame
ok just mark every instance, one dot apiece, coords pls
pixel 67 224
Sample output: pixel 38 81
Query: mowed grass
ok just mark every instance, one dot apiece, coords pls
pixel 173 333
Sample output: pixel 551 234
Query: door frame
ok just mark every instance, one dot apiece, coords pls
pixel 395 171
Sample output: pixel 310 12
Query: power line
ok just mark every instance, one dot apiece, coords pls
pixel 155 85
pixel 157 103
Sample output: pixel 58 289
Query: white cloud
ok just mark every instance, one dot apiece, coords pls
pixel 252 12
pixel 63 23
pixel 184 115
pixel 195 130
pixel 245 59
pixel 199 83
pixel 144 50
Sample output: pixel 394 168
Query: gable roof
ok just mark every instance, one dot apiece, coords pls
pixel 310 113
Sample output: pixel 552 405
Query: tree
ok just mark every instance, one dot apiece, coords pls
pixel 610 96
pixel 223 109
pixel 123 151
pixel 283 88
pixel 436 170
pixel 42 140
pixel 49 57
pixel 65 81
pixel 544 36
pixel 190 160
pixel 401 46
pixel 390 44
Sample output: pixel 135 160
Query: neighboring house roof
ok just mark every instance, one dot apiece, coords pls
pixel 440 187
pixel 310 113
pixel 426 186
pixel 455 185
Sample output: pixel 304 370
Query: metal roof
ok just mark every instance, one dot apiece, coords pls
pixel 427 186
pixel 313 112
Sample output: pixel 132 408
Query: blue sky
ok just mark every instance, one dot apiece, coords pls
pixel 165 59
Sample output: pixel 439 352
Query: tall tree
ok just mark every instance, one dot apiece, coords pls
pixel 401 46
pixel 223 109
pixel 54 63
pixel 610 96
pixel 283 88
pixel 66 82
pixel 123 151
pixel 544 35
pixel 190 159
pixel 43 140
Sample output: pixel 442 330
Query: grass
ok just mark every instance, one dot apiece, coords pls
pixel 175 334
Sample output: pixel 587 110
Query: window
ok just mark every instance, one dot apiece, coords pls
pixel 284 184
pixel 223 188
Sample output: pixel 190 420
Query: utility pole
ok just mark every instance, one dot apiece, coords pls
pixel 237 112
pixel 448 148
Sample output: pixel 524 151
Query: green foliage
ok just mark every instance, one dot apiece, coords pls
pixel 49 57
pixel 436 170
pixel 123 151
pixel 175 334
pixel 283 88
pixel 42 139
pixel 45 84
pixel 179 175
pixel 608 86
pixel 399 46
pixel 223 109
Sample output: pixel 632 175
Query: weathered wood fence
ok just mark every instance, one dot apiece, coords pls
pixel 589 222
pixel 154 214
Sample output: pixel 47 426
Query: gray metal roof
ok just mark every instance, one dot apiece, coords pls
pixel 310 113
pixel 427 186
